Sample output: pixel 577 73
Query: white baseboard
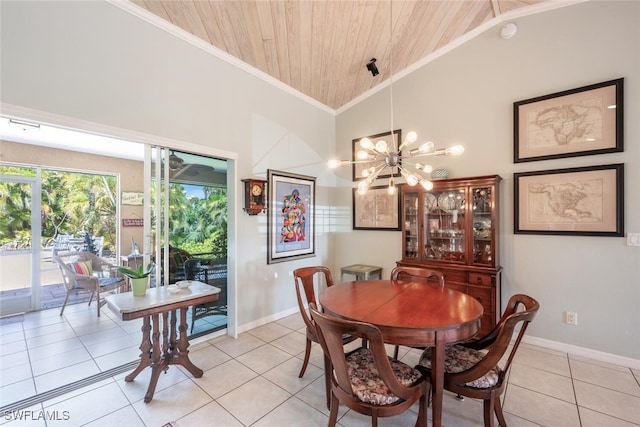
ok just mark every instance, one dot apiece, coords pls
pixel 614 359
pixel 261 322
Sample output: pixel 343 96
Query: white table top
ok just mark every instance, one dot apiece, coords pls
pixel 156 297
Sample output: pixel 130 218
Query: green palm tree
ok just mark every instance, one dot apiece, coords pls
pixel 15 202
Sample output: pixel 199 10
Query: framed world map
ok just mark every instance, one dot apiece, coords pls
pixel 577 122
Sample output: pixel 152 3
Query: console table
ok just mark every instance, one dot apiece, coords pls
pixel 170 349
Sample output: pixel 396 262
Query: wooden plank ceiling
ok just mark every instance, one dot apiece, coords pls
pixel 321 47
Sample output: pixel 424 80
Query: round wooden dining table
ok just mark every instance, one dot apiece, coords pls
pixel 409 313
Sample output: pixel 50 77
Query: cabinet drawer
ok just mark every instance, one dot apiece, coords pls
pixel 483 295
pixel 455 276
pixel 480 279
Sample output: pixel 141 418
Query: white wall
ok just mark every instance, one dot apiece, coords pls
pixel 93 62
pixel 466 96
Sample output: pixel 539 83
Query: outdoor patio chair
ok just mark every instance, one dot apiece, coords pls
pixel 84 271
pixel 212 272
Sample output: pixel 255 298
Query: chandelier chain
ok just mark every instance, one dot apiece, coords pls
pixel 382 155
pixel 393 140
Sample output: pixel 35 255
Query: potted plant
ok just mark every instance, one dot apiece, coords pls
pixel 139 278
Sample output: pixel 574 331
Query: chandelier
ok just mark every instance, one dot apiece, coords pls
pixel 390 155
pixel 385 155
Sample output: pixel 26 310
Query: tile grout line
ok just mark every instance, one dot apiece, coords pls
pixel 59 391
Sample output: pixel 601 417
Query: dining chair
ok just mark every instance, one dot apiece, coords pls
pixel 304 280
pixel 365 379
pixel 478 368
pixel 420 274
pixel 84 271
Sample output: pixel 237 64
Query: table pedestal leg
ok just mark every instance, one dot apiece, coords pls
pixel 174 350
pixel 437 380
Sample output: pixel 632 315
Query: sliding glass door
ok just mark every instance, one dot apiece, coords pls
pixel 20 256
pixel 49 211
pixel 187 226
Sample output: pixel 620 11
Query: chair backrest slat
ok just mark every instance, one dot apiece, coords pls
pixel 330 331
pixel 521 309
pixel 304 281
pixel 418 273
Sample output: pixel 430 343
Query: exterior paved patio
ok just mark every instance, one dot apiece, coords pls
pixel 52 295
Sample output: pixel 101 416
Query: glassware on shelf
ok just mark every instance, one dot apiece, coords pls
pixel 482 200
pixel 486 255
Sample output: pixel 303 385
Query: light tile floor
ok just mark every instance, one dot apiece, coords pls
pixel 253 381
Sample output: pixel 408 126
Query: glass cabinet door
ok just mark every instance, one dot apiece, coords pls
pixel 483 228
pixel 411 236
pixel 444 225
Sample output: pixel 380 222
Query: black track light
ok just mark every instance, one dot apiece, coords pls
pixel 371 66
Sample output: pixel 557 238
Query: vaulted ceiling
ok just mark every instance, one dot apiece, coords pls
pixel 321 47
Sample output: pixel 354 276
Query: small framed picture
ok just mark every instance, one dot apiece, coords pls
pixel 434 225
pixel 132 198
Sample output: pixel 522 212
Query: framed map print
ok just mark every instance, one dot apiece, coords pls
pixel 376 209
pixel 361 165
pixel 577 122
pixel 586 201
pixel 290 216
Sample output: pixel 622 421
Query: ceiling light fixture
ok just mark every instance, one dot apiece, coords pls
pixel 383 155
pixel 371 66
pixel 175 162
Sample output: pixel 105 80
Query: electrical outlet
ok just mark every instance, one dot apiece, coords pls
pixel 571 317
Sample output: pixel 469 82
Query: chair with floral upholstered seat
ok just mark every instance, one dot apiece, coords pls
pixel 84 271
pixel 304 280
pixel 367 380
pixel 478 368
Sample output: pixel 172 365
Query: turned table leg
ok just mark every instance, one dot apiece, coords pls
pixel 183 354
pixel 145 348
pixel 172 351
pixel 156 359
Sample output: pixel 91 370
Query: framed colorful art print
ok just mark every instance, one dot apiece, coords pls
pixel 290 216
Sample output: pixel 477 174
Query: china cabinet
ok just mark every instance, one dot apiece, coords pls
pixel 454 228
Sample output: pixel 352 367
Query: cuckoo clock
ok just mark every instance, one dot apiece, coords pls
pixel 255 196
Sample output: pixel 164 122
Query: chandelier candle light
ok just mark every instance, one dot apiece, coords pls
pixel 385 155
pixel 390 156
